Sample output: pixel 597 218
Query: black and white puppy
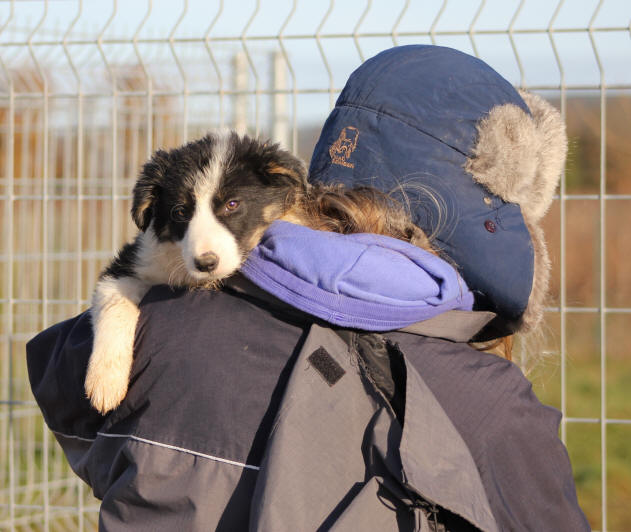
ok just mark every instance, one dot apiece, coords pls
pixel 200 209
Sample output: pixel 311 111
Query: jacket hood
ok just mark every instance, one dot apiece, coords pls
pixel 362 281
pixel 413 121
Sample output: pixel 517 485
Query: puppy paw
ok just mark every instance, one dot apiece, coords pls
pixel 114 315
pixel 107 380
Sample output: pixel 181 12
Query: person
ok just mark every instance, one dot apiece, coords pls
pixel 331 384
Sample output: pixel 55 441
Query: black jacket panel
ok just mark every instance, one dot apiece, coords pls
pixel 208 395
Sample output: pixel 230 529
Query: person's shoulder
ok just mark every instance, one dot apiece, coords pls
pixel 511 435
pixel 481 392
pixel 160 299
pixel 459 361
pixel 165 310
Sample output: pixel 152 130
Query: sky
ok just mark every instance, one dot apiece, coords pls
pixel 288 27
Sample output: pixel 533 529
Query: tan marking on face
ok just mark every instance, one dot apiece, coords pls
pixel 296 216
pixel 254 239
pixel 272 212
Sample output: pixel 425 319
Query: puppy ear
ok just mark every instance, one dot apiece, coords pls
pixel 284 168
pixel 148 187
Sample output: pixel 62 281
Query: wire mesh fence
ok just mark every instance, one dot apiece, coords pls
pixel 88 89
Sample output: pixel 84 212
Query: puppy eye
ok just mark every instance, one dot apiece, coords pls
pixel 179 213
pixel 232 205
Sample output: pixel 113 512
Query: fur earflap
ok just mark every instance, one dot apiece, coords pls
pixel 533 314
pixel 520 157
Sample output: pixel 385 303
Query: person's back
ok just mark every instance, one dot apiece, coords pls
pixel 330 385
pixel 263 419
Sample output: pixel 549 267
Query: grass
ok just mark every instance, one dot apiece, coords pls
pixel 583 399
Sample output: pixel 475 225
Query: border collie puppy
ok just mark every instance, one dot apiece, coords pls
pixel 200 209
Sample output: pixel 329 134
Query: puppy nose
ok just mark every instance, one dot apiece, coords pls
pixel 206 262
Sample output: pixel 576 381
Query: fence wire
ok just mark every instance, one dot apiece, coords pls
pixel 88 89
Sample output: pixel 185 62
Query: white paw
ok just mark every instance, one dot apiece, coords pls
pixel 114 317
pixel 107 379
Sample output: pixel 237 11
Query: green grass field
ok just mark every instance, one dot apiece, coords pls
pixel 583 399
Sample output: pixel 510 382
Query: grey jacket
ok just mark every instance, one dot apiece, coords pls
pixel 243 414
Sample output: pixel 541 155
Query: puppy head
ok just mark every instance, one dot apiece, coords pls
pixel 214 197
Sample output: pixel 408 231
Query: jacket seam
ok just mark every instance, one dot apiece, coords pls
pixel 73 436
pixel 180 449
pixel 164 446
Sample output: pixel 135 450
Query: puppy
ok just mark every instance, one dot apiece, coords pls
pixel 200 209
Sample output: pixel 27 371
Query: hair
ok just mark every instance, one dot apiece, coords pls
pixel 502 347
pixel 364 209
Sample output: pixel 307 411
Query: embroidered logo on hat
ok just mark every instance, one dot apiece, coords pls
pixel 341 150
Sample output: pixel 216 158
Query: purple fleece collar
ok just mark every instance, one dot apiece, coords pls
pixel 360 281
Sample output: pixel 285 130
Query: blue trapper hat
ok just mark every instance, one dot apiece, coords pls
pixel 411 122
